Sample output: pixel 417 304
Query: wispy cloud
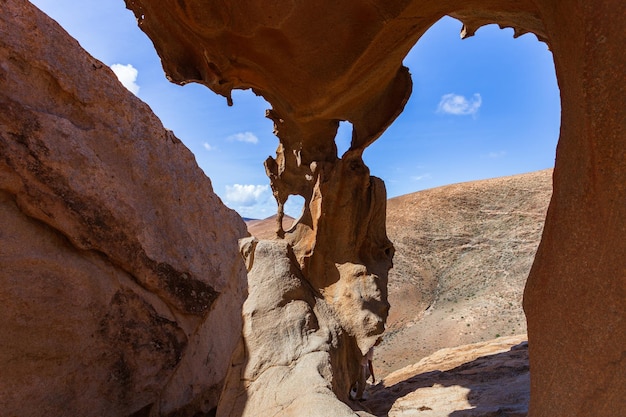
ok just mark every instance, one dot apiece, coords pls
pixel 458 105
pixel 127 74
pixel 208 147
pixel 247 195
pixel 495 155
pixel 247 137
pixel 420 177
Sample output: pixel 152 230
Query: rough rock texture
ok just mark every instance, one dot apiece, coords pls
pixel 486 379
pixel 575 297
pixel 463 254
pixel 120 275
pixel 321 62
pixel 310 317
pixel 293 356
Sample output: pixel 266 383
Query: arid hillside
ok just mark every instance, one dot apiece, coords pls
pixel 463 253
pixel 266 228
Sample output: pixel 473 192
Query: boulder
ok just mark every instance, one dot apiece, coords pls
pixel 313 312
pixel 290 345
pixel 121 281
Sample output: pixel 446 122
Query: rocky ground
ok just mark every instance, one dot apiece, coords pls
pixel 486 379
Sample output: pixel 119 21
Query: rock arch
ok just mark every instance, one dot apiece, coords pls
pixel 322 62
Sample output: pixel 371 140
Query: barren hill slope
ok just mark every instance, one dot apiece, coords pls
pixel 463 253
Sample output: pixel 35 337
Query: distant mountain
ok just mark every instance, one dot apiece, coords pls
pixel 266 228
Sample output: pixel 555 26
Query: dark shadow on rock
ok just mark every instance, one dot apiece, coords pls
pixel 499 386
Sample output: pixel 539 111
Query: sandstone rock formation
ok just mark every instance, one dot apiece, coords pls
pixel 322 62
pixel 120 275
pixel 462 256
pixel 294 354
pixel 312 314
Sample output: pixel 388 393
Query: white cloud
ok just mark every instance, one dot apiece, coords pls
pixel 127 74
pixel 247 195
pixel 247 137
pixel 208 147
pixel 459 105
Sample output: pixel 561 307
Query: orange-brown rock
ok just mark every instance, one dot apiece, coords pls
pixel 121 281
pixel 321 62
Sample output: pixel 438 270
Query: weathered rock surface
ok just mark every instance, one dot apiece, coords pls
pixel 463 254
pixel 309 320
pixel 319 63
pixel 479 380
pixel 120 275
pixel 292 346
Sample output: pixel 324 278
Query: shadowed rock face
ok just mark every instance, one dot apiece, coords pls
pixel 321 62
pixel 121 280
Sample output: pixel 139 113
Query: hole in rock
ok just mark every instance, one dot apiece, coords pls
pixel 483 108
pixel 235 142
pixel 343 139
pixel 293 208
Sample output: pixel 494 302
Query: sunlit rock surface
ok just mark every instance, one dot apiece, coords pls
pixel 121 280
pixel 122 286
pixel 309 320
pixel 478 380
pixel 294 353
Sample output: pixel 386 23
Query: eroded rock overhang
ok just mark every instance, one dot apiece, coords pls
pixel 317 64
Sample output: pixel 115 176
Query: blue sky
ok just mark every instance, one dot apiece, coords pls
pixel 483 107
